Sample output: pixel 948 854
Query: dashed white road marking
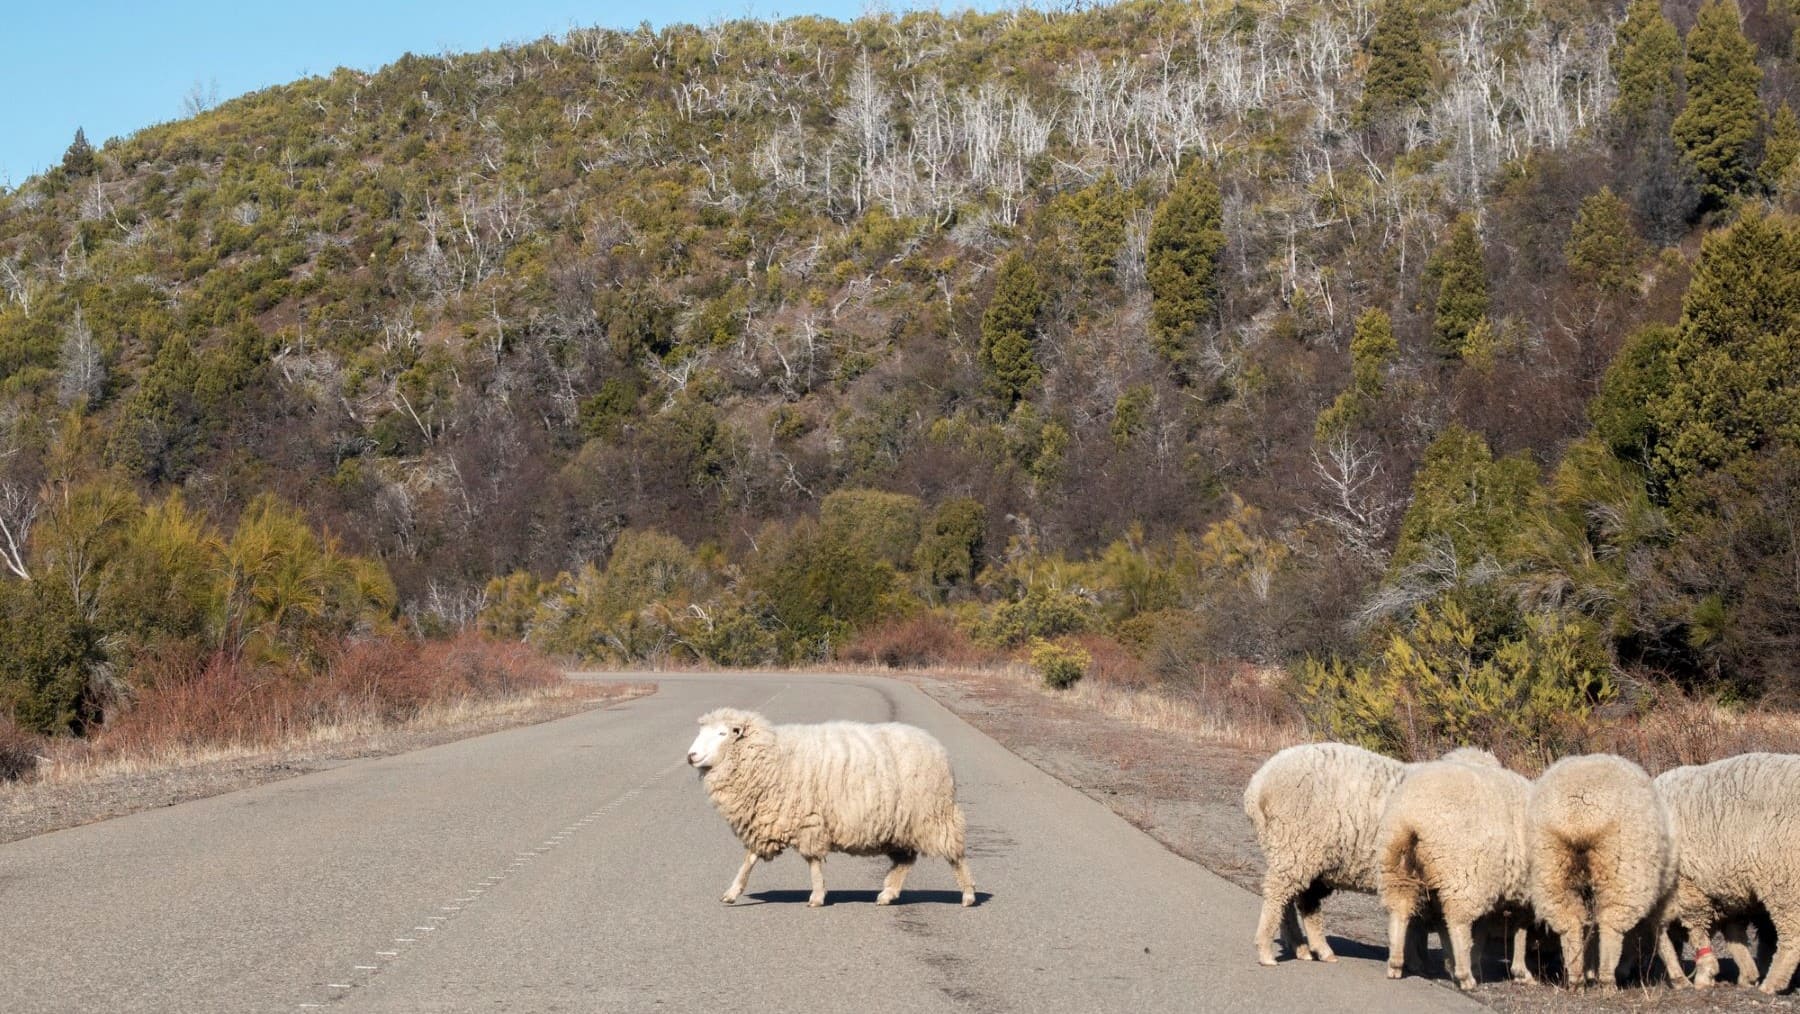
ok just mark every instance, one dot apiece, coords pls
pixel 520 858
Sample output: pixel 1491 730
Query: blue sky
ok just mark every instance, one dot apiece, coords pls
pixel 116 66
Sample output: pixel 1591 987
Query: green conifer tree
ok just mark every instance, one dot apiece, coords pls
pixel 1398 77
pixel 1719 128
pixel 1009 331
pixel 1462 301
pixel 1182 261
pixel 1372 350
pixel 1603 249
pixel 78 159
pixel 1734 363
pixel 1782 149
pixel 1646 60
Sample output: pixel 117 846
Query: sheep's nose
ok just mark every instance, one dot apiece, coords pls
pixel 693 758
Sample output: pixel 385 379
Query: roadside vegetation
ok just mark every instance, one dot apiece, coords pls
pixel 1399 373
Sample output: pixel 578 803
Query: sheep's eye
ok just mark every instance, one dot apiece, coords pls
pixel 735 731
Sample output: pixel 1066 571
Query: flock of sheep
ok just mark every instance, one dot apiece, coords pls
pixel 1593 845
pixel 1594 848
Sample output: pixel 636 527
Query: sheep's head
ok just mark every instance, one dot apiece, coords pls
pixel 1473 756
pixel 719 731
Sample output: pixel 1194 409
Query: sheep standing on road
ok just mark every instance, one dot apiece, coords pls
pixel 1738 821
pixel 850 787
pixel 1603 851
pixel 1455 829
pixel 1317 811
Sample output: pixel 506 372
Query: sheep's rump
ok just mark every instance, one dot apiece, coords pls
pixel 873 788
pixel 1317 811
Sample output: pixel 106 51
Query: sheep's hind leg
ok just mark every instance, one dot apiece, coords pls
pixel 964 880
pixel 1397 931
pixel 817 865
pixel 739 882
pixel 890 887
pixel 1612 945
pixel 1462 951
pixel 1277 915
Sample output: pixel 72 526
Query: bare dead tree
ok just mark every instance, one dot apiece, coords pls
pixel 1357 503
pixel 18 510
pixel 81 369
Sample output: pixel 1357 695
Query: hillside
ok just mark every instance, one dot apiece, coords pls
pixel 1258 331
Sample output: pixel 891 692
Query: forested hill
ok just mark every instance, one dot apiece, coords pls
pixel 1272 328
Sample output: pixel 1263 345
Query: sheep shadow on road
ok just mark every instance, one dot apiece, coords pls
pixel 837 897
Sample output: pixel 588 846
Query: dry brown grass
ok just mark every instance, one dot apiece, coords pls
pixel 1674 729
pixel 198 711
pixel 915 642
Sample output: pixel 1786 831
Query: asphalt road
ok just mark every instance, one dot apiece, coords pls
pixel 577 866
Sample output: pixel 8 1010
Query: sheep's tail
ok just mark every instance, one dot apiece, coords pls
pixel 1402 875
pixel 1253 806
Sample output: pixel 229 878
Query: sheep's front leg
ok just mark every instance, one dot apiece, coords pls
pixel 1737 945
pixel 1521 972
pixel 742 879
pixel 1291 937
pixel 1312 922
pixel 1786 959
pixel 817 864
pixel 890 887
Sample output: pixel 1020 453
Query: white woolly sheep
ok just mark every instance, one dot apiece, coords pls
pixel 1602 851
pixel 1738 820
pixel 1454 830
pixel 849 787
pixel 1317 813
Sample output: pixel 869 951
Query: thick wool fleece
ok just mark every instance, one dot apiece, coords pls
pixel 1603 852
pixel 838 787
pixel 1738 821
pixel 1317 813
pixel 1455 830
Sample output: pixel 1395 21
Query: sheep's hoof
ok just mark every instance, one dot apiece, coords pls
pixel 969 900
pixel 815 903
pixel 1765 988
pixel 1524 976
pixel 884 898
pixel 1325 956
pixel 1266 962
pixel 1465 983
pixel 1396 973
pixel 728 898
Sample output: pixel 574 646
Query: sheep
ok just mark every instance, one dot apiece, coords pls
pixel 847 787
pixel 1455 828
pixel 1603 850
pixel 1738 820
pixel 1317 810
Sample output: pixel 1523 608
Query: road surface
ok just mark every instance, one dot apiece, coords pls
pixel 577 866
